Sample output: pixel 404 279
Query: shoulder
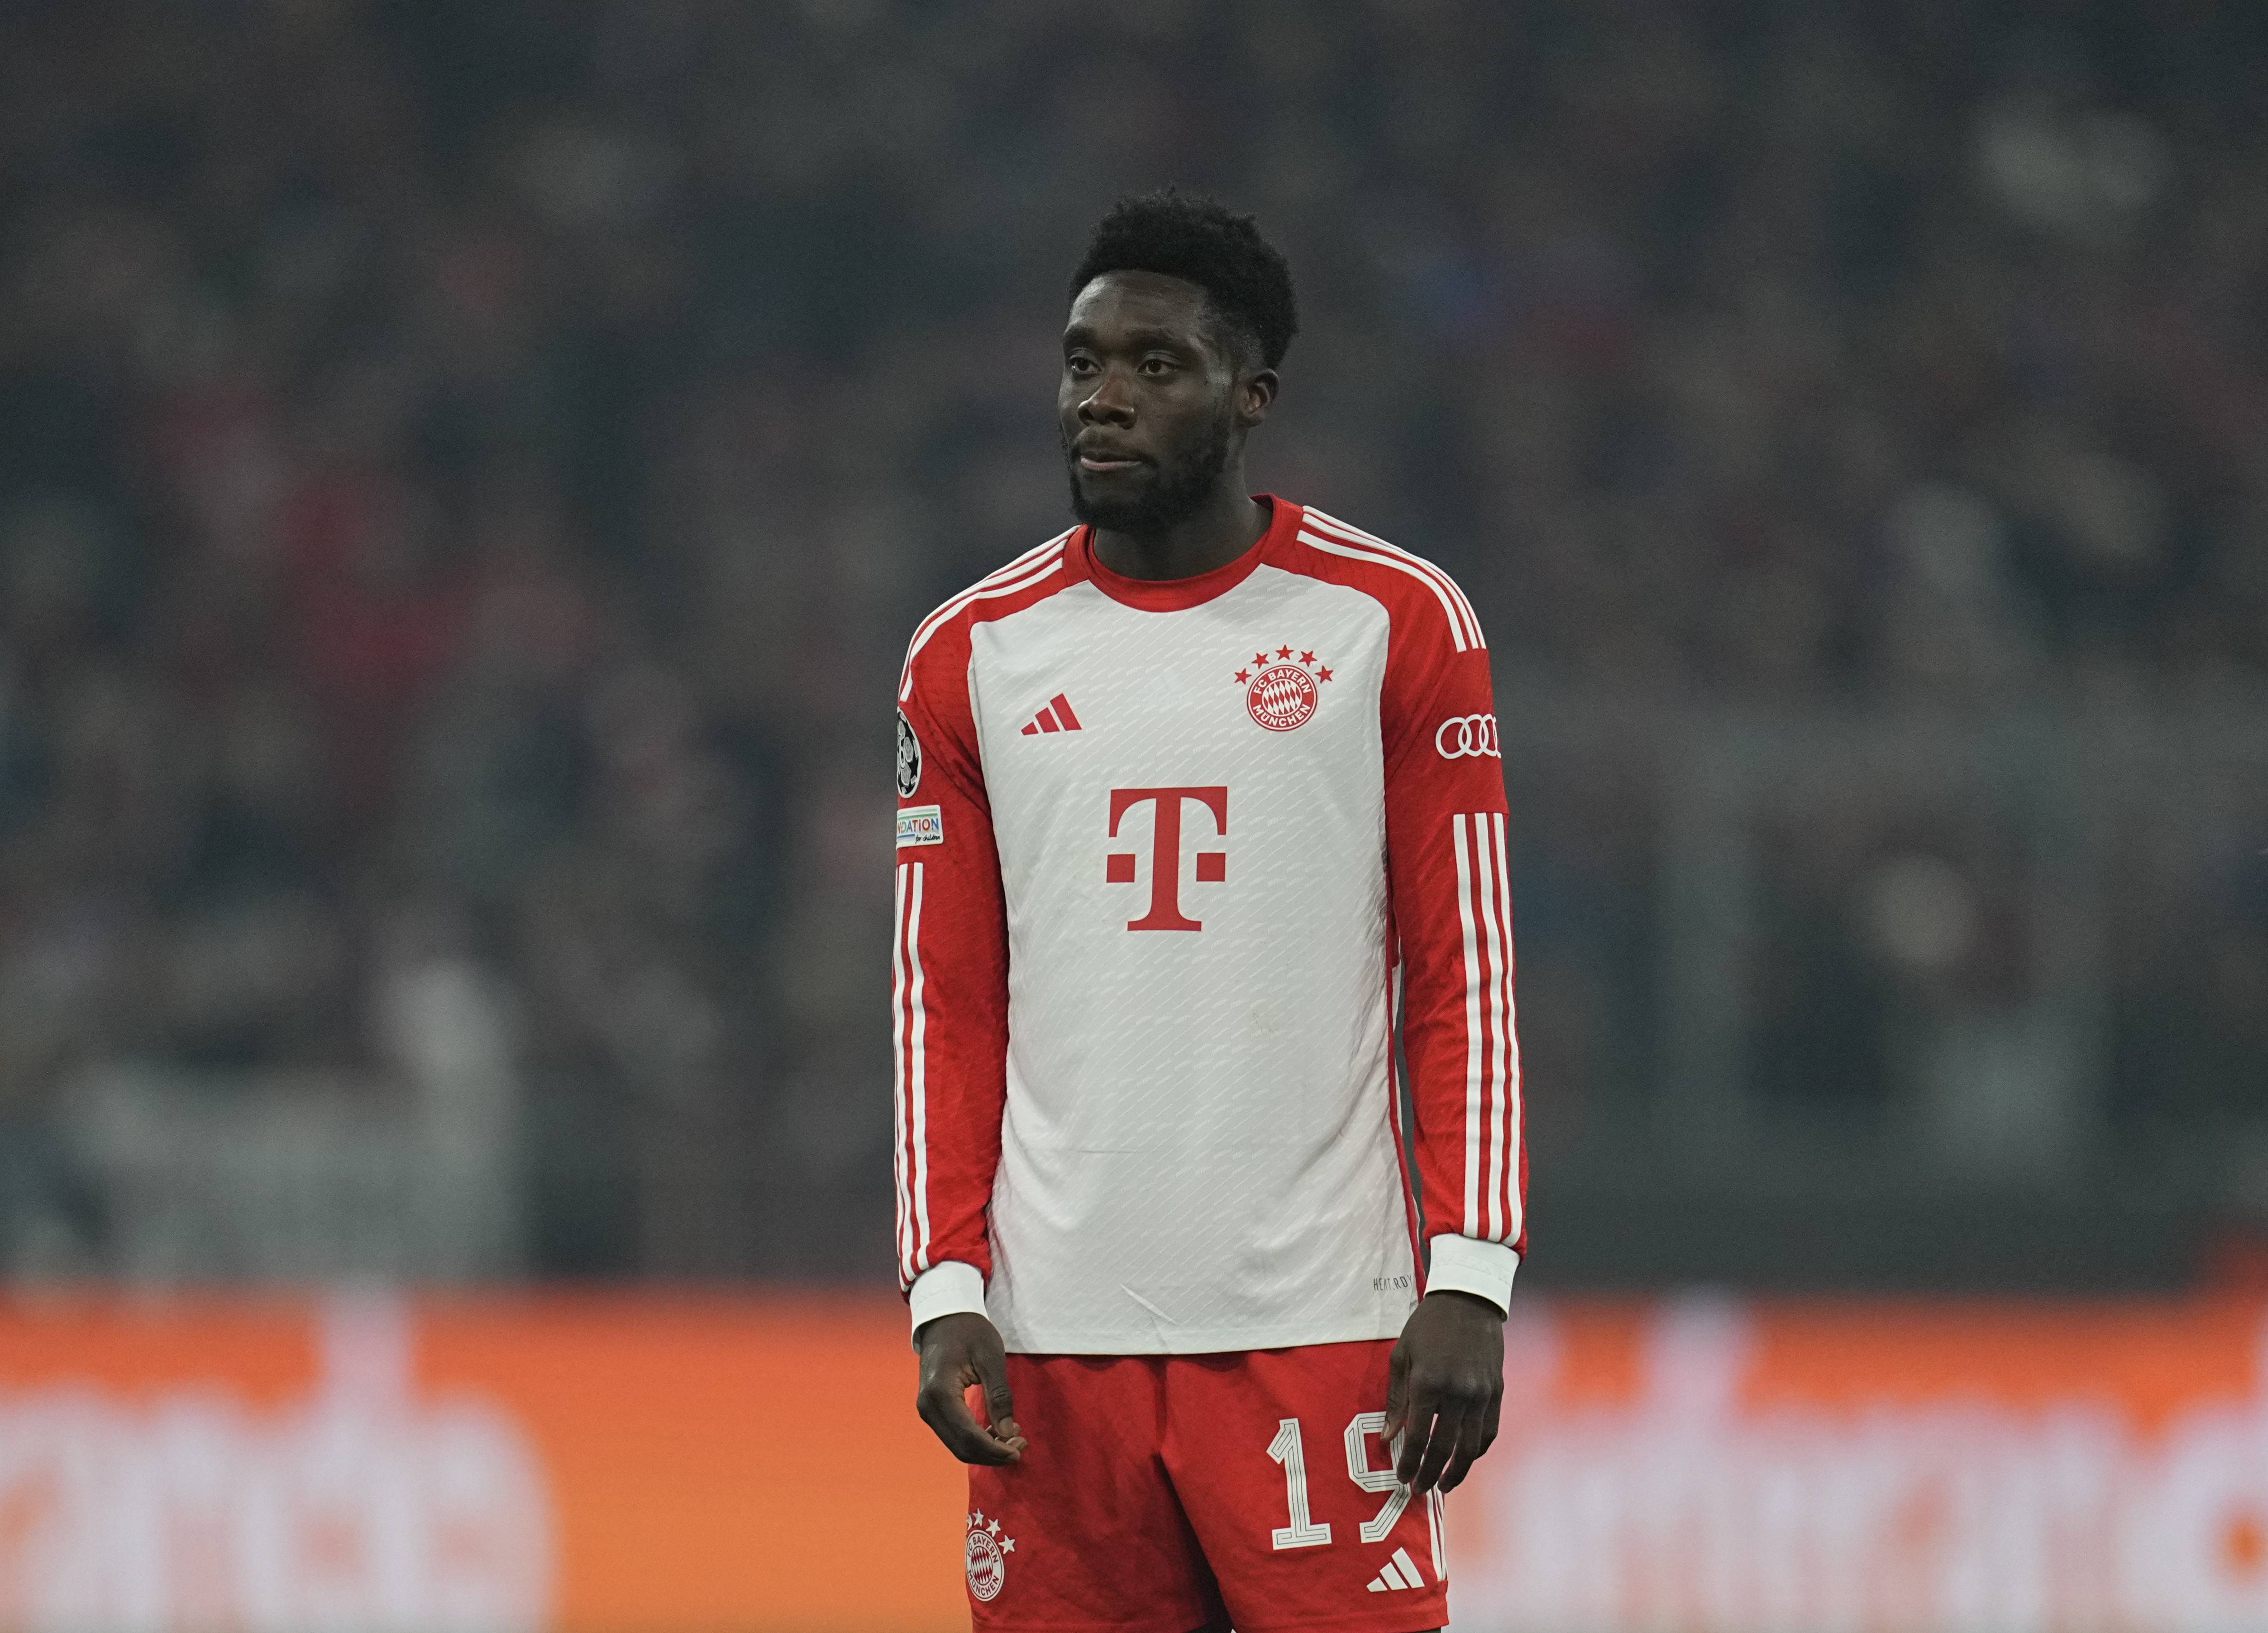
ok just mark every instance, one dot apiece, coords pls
pixel 1424 602
pixel 941 639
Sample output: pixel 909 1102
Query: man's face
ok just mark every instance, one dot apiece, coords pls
pixel 1149 402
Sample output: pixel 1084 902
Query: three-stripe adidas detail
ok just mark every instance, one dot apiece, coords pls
pixel 1491 1188
pixel 1335 537
pixel 910 1079
pixel 1398 1573
pixel 1056 717
pixel 1031 568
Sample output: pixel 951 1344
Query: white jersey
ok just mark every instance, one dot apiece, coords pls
pixel 1165 853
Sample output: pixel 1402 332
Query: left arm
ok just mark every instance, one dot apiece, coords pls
pixel 1446 820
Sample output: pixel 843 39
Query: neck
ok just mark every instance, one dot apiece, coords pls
pixel 1230 523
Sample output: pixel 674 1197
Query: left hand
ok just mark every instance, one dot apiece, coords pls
pixel 1444 1389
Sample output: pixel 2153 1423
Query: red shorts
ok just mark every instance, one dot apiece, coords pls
pixel 1159 1492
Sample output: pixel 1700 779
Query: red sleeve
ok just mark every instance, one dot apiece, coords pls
pixel 1451 904
pixel 949 970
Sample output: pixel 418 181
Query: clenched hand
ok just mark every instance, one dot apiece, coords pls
pixel 958 1352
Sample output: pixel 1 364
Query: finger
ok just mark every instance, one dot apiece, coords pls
pixel 1470 1450
pixel 1415 1434
pixel 948 1416
pixel 1397 1392
pixel 1471 1442
pixel 970 1441
pixel 1440 1446
pixel 999 1400
pixel 992 1421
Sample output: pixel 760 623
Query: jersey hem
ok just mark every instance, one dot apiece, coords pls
pixel 1205 1340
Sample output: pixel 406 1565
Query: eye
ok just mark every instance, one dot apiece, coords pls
pixel 1078 365
pixel 1157 365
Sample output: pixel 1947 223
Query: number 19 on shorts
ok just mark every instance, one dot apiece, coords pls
pixel 1305 1531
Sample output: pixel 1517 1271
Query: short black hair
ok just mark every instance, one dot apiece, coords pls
pixel 1246 279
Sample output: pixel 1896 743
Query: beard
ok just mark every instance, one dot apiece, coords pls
pixel 1180 484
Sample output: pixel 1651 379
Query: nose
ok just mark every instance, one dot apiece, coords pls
pixel 1109 403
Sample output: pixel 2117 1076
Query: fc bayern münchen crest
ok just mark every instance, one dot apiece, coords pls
pixel 1281 692
pixel 988 1557
pixel 909 758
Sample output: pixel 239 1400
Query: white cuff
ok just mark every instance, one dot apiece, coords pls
pixel 946 1287
pixel 1462 1265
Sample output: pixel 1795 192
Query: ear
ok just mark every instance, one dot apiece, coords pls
pixel 1255 395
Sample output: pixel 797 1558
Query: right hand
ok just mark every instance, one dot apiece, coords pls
pixel 957 1351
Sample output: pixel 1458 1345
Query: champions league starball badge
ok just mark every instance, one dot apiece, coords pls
pixel 909 758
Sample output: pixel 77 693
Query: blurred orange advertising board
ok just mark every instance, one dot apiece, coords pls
pixel 1714 1465
pixel 608 1463
pixel 646 1463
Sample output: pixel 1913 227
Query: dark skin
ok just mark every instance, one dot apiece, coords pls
pixel 1147 381
pixel 1152 387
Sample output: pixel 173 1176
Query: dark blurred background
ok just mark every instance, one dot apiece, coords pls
pixel 467 472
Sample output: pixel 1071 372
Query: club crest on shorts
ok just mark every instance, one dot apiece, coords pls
pixel 1282 689
pixel 987 1556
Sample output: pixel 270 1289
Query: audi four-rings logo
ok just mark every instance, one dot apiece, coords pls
pixel 1469 735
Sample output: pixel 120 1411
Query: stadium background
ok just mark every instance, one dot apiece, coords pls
pixel 467 471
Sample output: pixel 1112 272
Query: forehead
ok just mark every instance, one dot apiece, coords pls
pixel 1122 302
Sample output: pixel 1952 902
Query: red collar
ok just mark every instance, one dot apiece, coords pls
pixel 1173 595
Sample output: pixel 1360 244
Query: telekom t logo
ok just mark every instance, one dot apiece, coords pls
pixel 1165 851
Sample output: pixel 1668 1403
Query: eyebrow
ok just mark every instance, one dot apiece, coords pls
pixel 1138 340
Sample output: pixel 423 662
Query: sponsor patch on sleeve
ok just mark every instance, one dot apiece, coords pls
pixel 921 825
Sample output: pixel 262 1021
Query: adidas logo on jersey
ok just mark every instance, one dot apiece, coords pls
pixel 1056 717
pixel 1393 1578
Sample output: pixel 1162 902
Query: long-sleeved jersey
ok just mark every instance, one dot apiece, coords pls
pixel 1171 857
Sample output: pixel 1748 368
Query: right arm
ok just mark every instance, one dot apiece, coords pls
pixel 949 1032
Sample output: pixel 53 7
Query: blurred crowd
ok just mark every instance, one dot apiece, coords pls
pixel 467 472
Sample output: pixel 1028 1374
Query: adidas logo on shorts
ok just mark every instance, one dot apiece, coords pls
pixel 1401 1572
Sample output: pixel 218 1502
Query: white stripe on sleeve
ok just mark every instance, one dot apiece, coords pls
pixel 1462 615
pixel 1365 553
pixel 1473 1060
pixel 1509 1037
pixel 1489 837
pixel 898 1151
pixel 917 1057
pixel 1020 574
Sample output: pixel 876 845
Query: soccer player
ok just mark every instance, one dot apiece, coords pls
pixel 1198 802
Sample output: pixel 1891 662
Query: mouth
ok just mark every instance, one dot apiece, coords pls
pixel 1102 460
